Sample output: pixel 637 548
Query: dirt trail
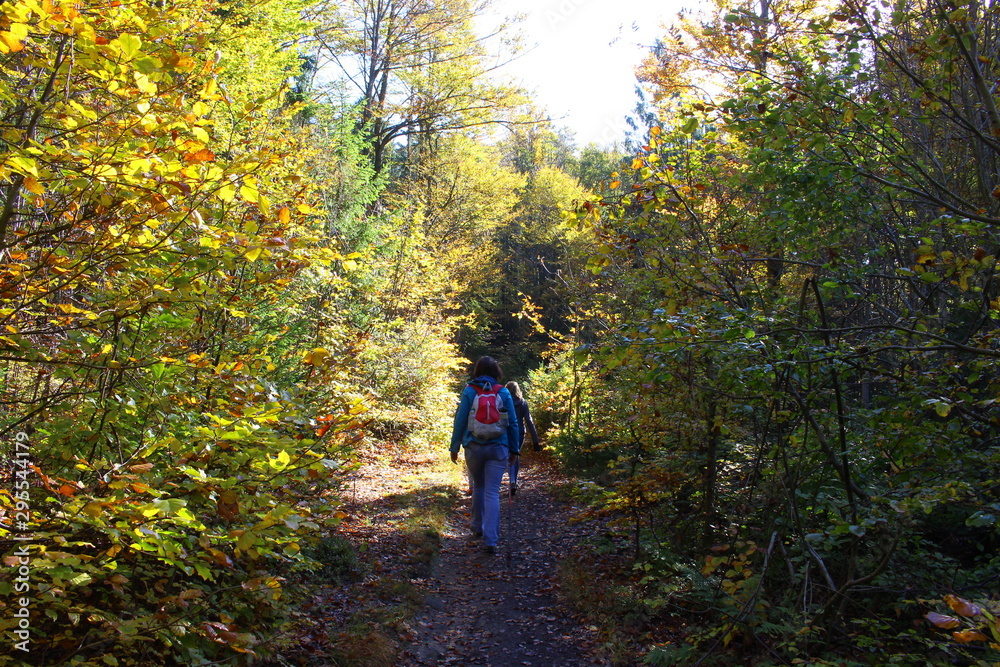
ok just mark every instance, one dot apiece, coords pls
pixel 501 610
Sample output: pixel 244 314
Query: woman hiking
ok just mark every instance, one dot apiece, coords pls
pixel 490 448
pixel 524 423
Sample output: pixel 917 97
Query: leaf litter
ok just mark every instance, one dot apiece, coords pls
pixel 467 608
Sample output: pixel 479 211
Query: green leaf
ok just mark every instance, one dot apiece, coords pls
pixel 930 277
pixel 169 505
pixel 148 64
pixel 128 45
pixel 942 408
pixel 689 126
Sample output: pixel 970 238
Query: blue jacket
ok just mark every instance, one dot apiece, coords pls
pixel 460 435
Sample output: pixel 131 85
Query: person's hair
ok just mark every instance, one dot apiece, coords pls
pixel 487 366
pixel 513 388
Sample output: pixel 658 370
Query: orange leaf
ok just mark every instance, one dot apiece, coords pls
pixel 67 490
pixel 968 636
pixel 203 155
pixel 221 558
pixel 11 44
pixel 963 607
pixel 614 184
pixel 284 215
pixel 942 621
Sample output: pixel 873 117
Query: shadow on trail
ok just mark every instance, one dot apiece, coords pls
pixel 501 610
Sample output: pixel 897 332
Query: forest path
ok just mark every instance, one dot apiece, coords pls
pixel 482 610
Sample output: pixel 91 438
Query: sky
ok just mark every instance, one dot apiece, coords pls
pixel 581 57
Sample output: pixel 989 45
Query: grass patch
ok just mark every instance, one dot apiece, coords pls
pixel 338 559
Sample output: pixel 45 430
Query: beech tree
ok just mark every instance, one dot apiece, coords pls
pixel 417 67
pixel 149 233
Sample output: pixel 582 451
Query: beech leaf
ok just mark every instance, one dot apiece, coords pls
pixel 962 607
pixel 942 621
pixel 969 636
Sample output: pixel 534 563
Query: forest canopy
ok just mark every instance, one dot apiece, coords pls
pixel 761 330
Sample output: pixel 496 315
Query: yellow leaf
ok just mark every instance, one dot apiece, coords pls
pixel 11 41
pixel 284 215
pixel 210 88
pixel 23 165
pixel 316 356
pixel 253 253
pixel 128 45
pixel 105 171
pixel 144 84
pixel 264 204
pixel 19 30
pixel 18 12
pixel 32 185
pixel 93 510
pixel 226 193
pixel 249 193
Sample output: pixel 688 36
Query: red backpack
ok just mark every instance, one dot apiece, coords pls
pixel 488 416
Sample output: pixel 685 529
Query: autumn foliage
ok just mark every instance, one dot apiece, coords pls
pixel 177 414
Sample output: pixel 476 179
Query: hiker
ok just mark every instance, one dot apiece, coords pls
pixel 487 453
pixel 524 423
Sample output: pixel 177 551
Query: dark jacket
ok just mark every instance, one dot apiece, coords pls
pixel 524 421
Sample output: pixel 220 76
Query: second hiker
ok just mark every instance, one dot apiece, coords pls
pixel 524 423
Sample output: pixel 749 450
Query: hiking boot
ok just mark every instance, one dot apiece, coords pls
pixel 490 551
pixel 513 489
